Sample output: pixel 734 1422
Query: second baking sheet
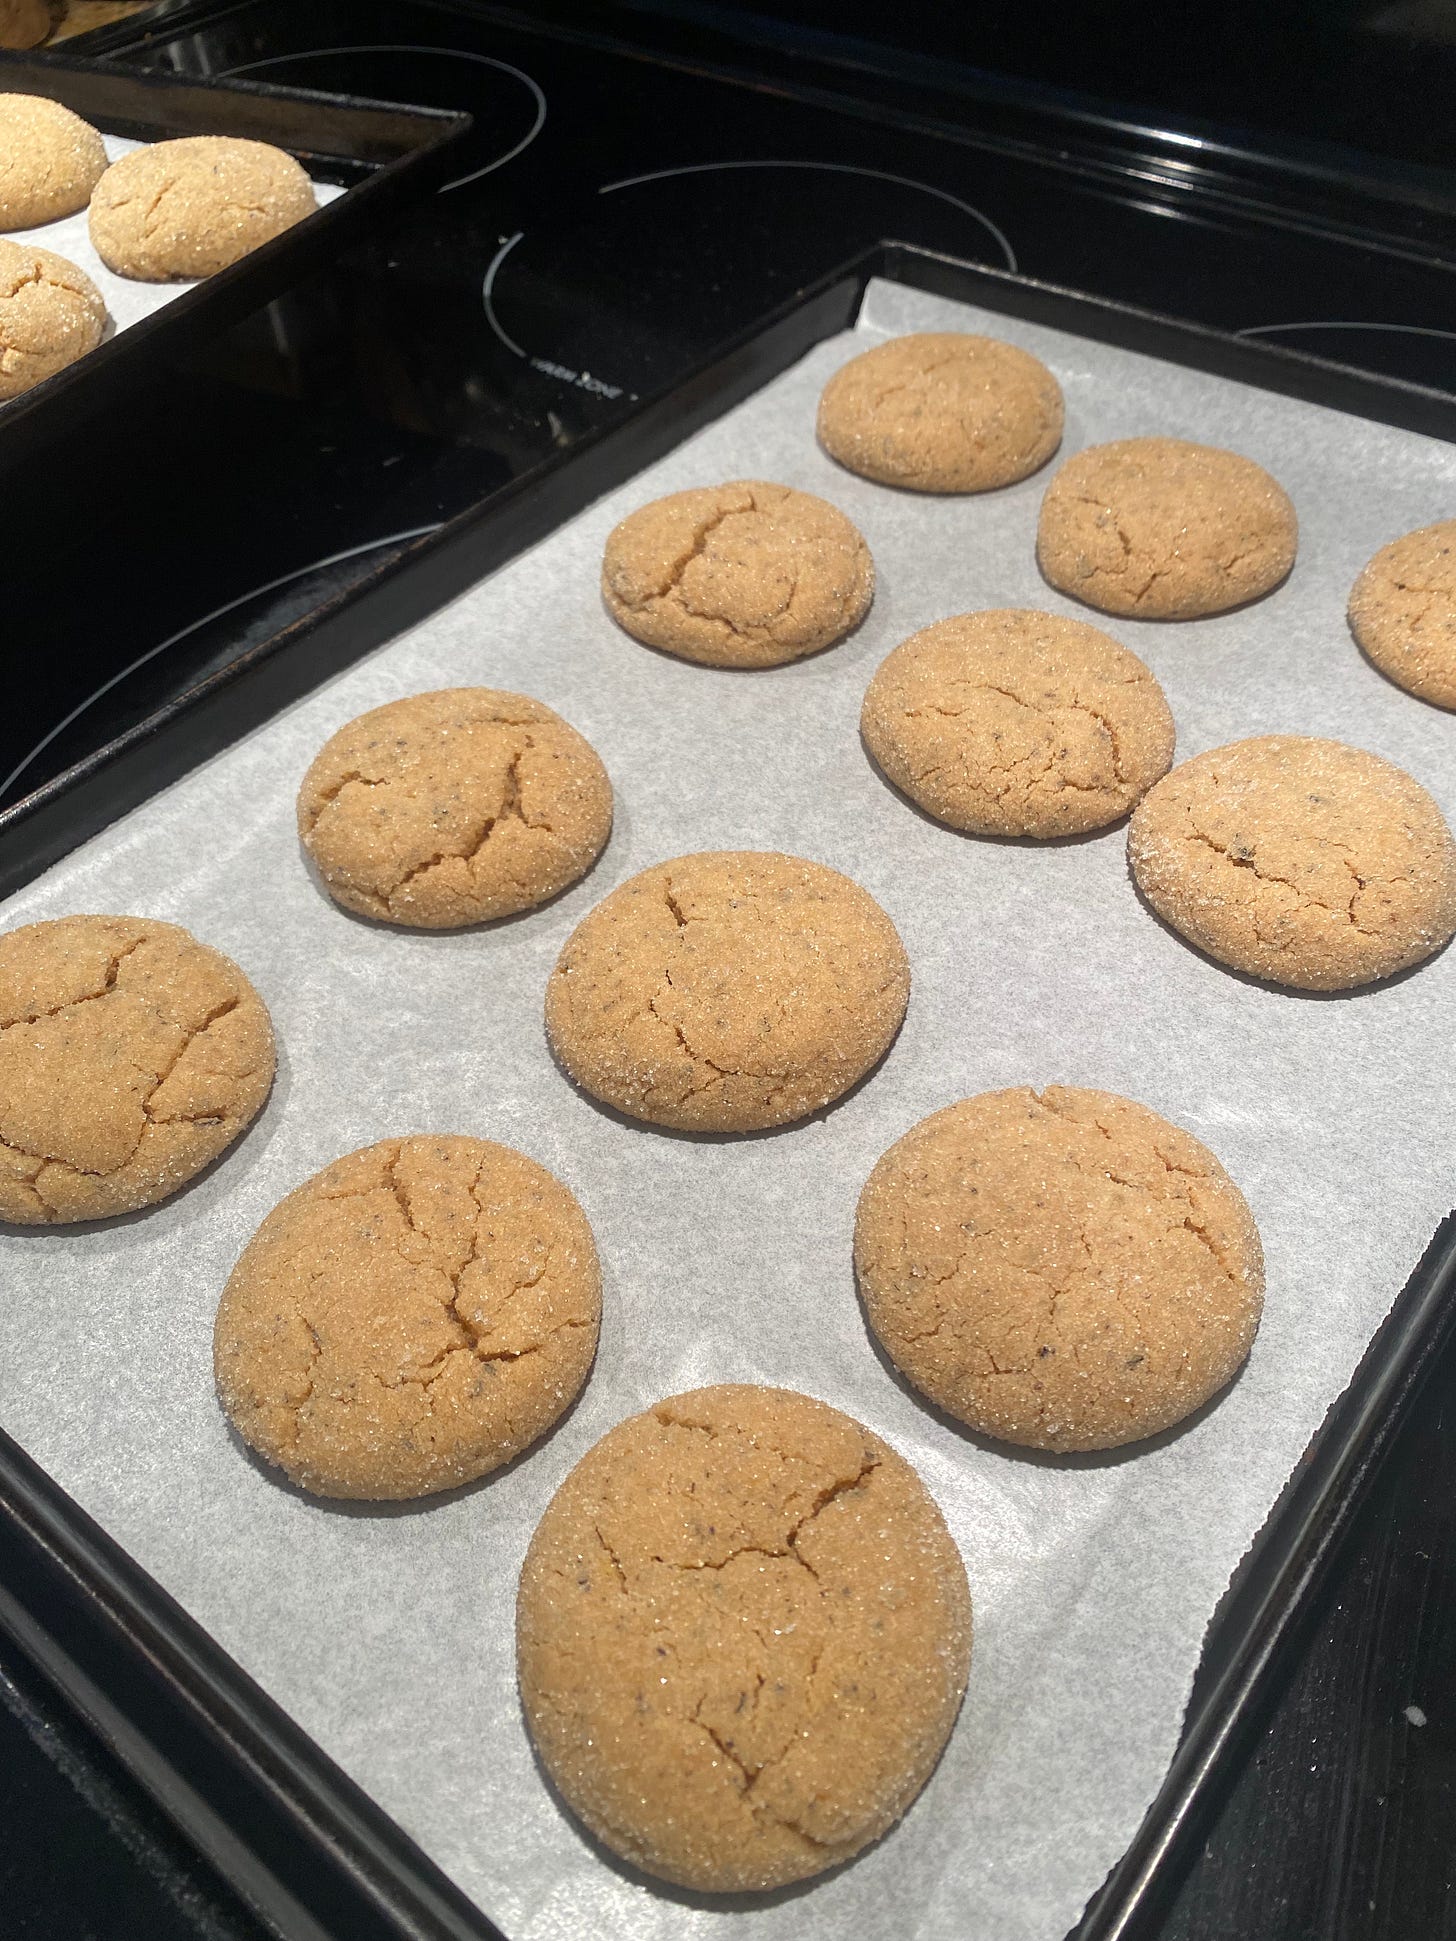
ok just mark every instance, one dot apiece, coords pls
pixel 387 1632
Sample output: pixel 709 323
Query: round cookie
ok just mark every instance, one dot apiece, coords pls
pixel 130 1057
pixel 51 313
pixel 942 411
pixel 411 1317
pixel 25 23
pixel 1403 612
pixel 741 575
pixel 727 992
pixel 50 161
pixel 453 807
pixel 1161 529
pixel 1017 723
pixel 1301 861
pixel 1060 1269
pixel 191 207
pixel 743 1633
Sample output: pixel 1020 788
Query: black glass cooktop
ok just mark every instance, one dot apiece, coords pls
pixel 619 215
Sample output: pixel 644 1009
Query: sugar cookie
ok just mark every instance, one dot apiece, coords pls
pixel 51 313
pixel 743 1633
pixel 1297 860
pixel 50 161
pixel 1017 723
pixel 192 207
pixel 414 1315
pixel 942 411
pixel 728 991
pixel 1403 612
pixel 1061 1269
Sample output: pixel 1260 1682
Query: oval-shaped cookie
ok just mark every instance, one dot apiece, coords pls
pixel 191 207
pixel 743 1633
pixel 50 160
pixel 1403 612
pixel 1061 1269
pixel 51 313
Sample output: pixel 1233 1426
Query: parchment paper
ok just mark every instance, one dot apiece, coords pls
pixel 127 301
pixel 387 1633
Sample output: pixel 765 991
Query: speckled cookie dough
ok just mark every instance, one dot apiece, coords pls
pixel 130 1057
pixel 1017 723
pixel 727 992
pixel 743 1633
pixel 942 411
pixel 1301 861
pixel 1060 1269
pixel 191 207
pixel 1403 612
pixel 411 1317
pixel 50 161
pixel 1160 529
pixel 453 807
pixel 51 313
pixel 741 575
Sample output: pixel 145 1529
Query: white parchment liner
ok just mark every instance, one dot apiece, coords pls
pixel 387 1633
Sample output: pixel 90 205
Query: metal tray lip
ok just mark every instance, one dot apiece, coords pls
pixel 1254 361
pixel 327 1807
pixel 257 277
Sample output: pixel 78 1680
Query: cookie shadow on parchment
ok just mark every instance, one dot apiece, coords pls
pixel 1285 990
pixel 745 1903
pixel 1044 1458
pixel 349 1506
pixel 256 1136
pixel 1077 840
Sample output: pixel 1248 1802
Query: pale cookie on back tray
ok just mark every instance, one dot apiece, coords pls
pixel 1061 1269
pixel 1161 529
pixel 727 992
pixel 1302 861
pixel 411 1317
pixel 942 411
pixel 130 1057
pixel 50 161
pixel 51 313
pixel 742 1636
pixel 1403 612
pixel 191 207
pixel 453 807
pixel 742 575
pixel 1017 723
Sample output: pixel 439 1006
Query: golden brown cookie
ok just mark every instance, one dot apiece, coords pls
pixel 1017 723
pixel 50 161
pixel 1301 861
pixel 728 991
pixel 1403 612
pixel 25 23
pixel 942 411
pixel 743 1633
pixel 130 1057
pixel 1060 1269
pixel 742 575
pixel 410 1318
pixel 51 313
pixel 191 207
pixel 1161 529
pixel 453 807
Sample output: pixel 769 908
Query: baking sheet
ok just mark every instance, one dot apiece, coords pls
pixel 387 1632
pixel 127 301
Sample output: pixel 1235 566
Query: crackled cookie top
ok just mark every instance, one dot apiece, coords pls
pixel 1061 1269
pixel 454 807
pixel 191 207
pixel 50 160
pixel 942 411
pixel 1301 861
pixel 1016 723
pixel 51 313
pixel 743 1633
pixel 727 991
pixel 1403 612
pixel 742 575
pixel 130 1056
pixel 409 1318
pixel 1161 529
